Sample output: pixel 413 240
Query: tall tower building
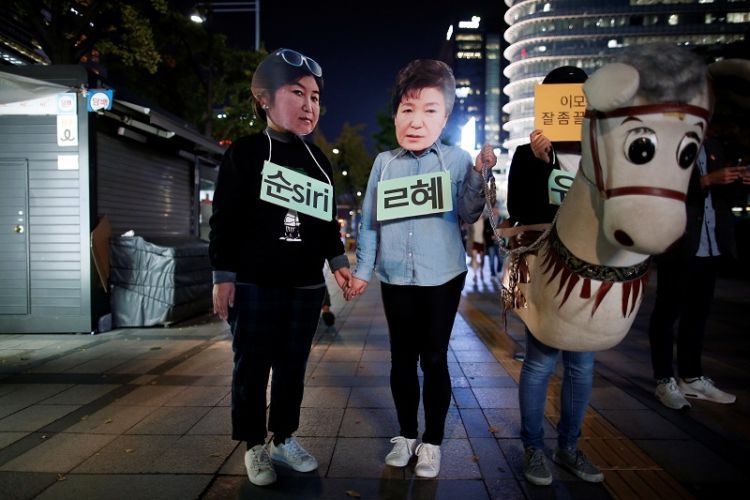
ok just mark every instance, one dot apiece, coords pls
pixel 473 51
pixel 545 34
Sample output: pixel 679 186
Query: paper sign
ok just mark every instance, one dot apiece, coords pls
pixel 286 188
pixel 54 104
pixel 414 195
pixel 67 162
pixel 559 109
pixel 67 130
pixel 558 184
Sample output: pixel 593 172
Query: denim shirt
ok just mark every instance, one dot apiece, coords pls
pixel 426 250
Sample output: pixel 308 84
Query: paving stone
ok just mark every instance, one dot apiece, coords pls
pixel 127 487
pixel 35 417
pixel 319 422
pixel 490 458
pixel 217 421
pixel 371 397
pixel 348 381
pixel 24 485
pixel 128 455
pixel 458 460
pixel 504 489
pixel 365 369
pixel 506 423
pixel 363 458
pixel 474 422
pixel 59 453
pixel 614 398
pixel 335 369
pixel 326 397
pixel 492 382
pixel 369 422
pixel 199 396
pixel 111 419
pixel 497 397
pixel 336 354
pixel 478 356
pixel 150 395
pixel 691 462
pixel 80 394
pixel 376 355
pixel 170 420
pixel 464 398
pixel 643 424
pixel 8 438
pixel 475 369
pixel 21 395
pixel 193 454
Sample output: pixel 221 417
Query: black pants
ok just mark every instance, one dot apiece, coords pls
pixel 271 328
pixel 684 292
pixel 420 320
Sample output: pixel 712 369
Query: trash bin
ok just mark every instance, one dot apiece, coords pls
pixel 158 282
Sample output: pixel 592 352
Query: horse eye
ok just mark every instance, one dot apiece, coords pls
pixel 640 145
pixel 687 151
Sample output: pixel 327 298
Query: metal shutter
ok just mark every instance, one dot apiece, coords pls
pixel 143 189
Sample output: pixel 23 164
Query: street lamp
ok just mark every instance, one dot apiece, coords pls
pixel 230 7
pixel 197 18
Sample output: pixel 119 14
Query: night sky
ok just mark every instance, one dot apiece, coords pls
pixel 360 45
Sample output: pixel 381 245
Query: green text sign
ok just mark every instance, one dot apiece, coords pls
pixel 287 188
pixel 414 195
pixel 558 184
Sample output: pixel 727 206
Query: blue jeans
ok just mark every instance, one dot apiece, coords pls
pixel 496 263
pixel 577 378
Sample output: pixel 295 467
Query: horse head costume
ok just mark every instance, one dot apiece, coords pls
pixel 642 133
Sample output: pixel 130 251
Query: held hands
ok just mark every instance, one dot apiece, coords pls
pixel 540 145
pixel 223 295
pixel 485 157
pixel 356 287
pixel 343 278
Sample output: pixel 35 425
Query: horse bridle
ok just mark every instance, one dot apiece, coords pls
pixel 594 115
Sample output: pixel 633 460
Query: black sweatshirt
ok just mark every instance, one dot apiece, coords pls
pixel 251 238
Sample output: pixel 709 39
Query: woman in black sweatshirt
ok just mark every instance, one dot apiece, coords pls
pixel 273 227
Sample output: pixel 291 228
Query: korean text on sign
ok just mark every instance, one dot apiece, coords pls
pixel 559 109
pixel 414 195
pixel 287 188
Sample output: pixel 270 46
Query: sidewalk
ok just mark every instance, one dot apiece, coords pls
pixel 144 413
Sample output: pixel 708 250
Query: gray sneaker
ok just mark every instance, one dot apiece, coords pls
pixel 670 395
pixel 575 461
pixel 535 467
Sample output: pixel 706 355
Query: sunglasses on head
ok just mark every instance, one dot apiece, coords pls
pixel 294 58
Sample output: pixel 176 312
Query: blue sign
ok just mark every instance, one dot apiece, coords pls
pixel 97 99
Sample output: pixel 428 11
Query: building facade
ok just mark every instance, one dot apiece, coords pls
pixel 545 34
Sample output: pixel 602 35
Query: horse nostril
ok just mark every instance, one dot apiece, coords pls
pixel 623 238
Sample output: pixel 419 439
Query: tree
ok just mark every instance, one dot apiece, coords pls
pixel 352 158
pixel 71 31
pixel 385 138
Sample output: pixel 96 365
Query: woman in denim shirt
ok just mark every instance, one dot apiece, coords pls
pixel 420 259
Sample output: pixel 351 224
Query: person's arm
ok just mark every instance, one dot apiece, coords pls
pixel 471 197
pixel 368 235
pixel 223 246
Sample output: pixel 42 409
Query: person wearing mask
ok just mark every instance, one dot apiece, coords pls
pixel 268 257
pixel 530 202
pixel 420 258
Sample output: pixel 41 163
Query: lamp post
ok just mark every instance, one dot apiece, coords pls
pixel 231 7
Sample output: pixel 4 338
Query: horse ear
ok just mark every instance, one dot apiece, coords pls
pixel 612 86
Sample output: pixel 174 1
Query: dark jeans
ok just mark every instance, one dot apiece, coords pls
pixel 272 327
pixel 420 320
pixel 684 292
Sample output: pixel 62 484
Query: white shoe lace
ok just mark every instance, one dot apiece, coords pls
pixel 294 450
pixel 401 445
pixel 429 452
pixel 260 461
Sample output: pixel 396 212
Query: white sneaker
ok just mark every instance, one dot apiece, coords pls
pixel 291 453
pixel 704 388
pixel 403 449
pixel 428 461
pixel 259 467
pixel 669 394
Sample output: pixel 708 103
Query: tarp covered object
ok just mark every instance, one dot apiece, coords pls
pixel 158 282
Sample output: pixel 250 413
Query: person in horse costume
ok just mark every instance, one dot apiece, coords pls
pixel 579 290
